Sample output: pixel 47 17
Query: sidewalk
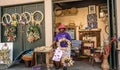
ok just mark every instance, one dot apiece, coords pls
pixel 79 65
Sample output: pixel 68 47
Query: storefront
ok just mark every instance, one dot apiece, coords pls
pixel 74 14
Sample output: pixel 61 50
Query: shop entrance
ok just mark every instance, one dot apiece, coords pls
pixel 90 23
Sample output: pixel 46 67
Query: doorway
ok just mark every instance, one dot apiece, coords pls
pixel 92 21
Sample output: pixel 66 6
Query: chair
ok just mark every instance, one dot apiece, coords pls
pixel 76 46
pixel 96 57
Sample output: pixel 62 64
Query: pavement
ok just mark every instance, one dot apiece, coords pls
pixel 79 65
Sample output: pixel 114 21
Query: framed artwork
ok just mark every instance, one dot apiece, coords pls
pixel 92 21
pixel 72 33
pixel 91 9
pixel 102 10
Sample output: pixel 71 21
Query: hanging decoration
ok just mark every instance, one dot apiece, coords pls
pixel 33 33
pixel 10 26
pixel 15 19
pixel 25 18
pixel 6 19
pixel 10 33
pixel 37 17
pixel 11 22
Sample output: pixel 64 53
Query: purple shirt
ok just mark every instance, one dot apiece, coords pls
pixel 62 35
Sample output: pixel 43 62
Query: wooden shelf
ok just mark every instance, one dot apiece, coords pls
pixel 91 33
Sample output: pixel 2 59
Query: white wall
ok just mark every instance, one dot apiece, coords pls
pixel 15 2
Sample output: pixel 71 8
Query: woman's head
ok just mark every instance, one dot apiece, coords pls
pixel 61 27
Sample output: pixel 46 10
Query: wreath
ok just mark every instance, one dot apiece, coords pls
pixel 37 17
pixel 64 40
pixel 5 54
pixel 33 33
pixel 10 33
pixel 15 19
pixel 66 60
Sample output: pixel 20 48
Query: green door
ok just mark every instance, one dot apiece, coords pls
pixel 113 32
pixel 17 44
pixel 21 43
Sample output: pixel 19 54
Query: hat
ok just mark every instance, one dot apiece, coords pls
pixel 61 26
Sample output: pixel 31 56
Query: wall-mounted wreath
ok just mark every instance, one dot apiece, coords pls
pixel 10 33
pixel 33 33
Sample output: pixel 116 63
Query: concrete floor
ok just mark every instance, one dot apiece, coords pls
pixel 79 65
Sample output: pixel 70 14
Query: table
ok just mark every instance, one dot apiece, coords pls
pixel 48 56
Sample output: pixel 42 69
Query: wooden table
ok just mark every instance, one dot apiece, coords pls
pixel 48 56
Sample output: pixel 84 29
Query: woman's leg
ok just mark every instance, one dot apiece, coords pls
pixel 57 64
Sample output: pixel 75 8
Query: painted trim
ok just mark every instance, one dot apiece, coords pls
pixel 17 2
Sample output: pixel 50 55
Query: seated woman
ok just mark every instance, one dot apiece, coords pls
pixel 62 49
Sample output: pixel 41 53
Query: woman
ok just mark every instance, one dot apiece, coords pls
pixel 63 45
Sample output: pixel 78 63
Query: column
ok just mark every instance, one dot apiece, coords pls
pixel 48 22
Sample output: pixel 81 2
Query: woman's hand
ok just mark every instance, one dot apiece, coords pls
pixel 65 49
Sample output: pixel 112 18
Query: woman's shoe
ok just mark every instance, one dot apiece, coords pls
pixel 57 68
pixel 64 68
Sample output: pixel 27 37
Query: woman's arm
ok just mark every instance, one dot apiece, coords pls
pixel 53 43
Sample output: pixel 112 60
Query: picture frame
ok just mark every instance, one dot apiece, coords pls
pixel 72 32
pixel 91 9
pixel 102 10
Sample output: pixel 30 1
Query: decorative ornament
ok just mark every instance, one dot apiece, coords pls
pixel 6 19
pixel 43 49
pixel 5 54
pixel 15 19
pixel 58 11
pixel 25 18
pixel 33 34
pixel 64 40
pixel 66 60
pixel 10 33
pixel 73 10
pixel 37 19
pixel 107 29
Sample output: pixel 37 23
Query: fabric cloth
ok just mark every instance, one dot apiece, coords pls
pixel 62 35
pixel 60 53
pixel 57 55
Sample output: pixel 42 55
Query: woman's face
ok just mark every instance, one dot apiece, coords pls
pixel 62 30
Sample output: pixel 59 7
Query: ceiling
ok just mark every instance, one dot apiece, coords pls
pixel 66 4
